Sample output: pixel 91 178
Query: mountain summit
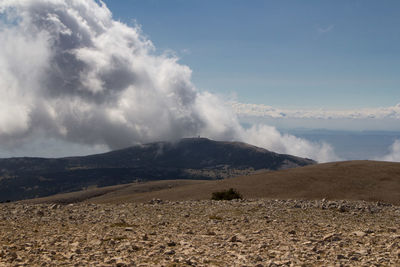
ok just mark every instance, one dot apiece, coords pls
pixel 189 158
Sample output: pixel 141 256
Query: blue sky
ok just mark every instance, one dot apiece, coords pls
pixel 293 54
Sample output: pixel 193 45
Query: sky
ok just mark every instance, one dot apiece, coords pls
pixel 288 54
pixel 85 76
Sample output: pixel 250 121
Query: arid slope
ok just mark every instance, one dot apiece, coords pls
pixel 350 180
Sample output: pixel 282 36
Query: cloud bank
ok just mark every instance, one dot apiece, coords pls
pixel 258 110
pixel 70 72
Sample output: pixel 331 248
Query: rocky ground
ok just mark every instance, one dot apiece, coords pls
pixel 201 233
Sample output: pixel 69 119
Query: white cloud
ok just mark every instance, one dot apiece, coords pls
pixel 327 29
pixel 270 137
pixel 394 154
pixel 70 72
pixel 258 110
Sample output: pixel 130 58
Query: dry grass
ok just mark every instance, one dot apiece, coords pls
pixel 115 194
pixel 351 180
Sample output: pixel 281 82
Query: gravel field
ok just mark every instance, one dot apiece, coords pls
pixel 201 233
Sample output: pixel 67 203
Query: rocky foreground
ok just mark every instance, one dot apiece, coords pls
pixel 201 233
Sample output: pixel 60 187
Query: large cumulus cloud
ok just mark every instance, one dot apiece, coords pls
pixel 69 71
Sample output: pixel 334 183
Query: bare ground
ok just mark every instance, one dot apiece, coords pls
pixel 129 225
pixel 201 233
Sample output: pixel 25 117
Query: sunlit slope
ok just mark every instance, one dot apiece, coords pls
pixel 351 180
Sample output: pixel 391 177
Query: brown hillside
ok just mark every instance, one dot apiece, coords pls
pixel 351 180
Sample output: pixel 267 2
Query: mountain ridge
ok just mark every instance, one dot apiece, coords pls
pixel 189 158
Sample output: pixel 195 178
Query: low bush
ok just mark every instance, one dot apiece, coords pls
pixel 215 217
pixel 226 195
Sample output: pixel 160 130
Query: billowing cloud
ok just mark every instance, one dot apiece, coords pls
pixel 270 137
pixel 394 154
pixel 70 72
pixel 259 110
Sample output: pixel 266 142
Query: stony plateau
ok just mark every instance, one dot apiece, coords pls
pixel 256 232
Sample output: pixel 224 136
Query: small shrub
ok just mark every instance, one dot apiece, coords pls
pixel 226 195
pixel 215 217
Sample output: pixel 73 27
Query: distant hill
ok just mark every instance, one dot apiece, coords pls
pixel 191 158
pixel 349 180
